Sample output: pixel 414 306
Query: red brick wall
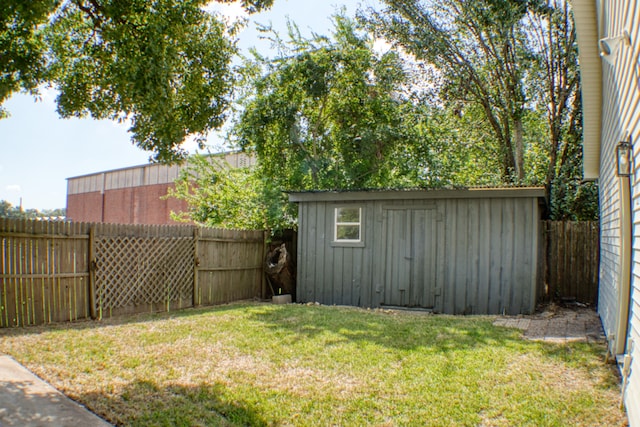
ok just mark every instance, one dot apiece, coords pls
pixel 134 205
pixel 85 207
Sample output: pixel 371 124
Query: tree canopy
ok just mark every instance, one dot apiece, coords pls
pixel 471 93
pixel 332 113
pixel 477 47
pixel 164 65
pixel 7 210
pixel 328 112
pixel 501 104
pixel 509 67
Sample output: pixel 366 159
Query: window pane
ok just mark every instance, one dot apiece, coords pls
pixel 348 232
pixel 348 215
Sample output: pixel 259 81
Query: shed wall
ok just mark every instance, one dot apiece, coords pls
pixel 458 256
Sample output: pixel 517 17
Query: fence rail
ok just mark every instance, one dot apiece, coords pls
pixel 60 271
pixel 571 253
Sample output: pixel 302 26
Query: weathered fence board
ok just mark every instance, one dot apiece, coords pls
pixel 571 256
pixel 62 271
pixel 229 265
pixel 43 272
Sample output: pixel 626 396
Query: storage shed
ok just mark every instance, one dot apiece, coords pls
pixel 468 251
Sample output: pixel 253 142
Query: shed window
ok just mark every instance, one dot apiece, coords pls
pixel 348 224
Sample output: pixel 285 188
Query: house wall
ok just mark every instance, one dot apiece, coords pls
pixel 621 116
pixel 453 255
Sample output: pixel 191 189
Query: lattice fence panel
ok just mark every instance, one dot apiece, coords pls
pixel 142 271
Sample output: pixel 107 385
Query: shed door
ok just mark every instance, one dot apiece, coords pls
pixel 410 265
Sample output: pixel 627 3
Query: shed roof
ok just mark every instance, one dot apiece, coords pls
pixel 413 194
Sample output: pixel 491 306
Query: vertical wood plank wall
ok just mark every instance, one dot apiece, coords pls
pixel 229 265
pixel 570 260
pixel 44 274
pixel 62 271
pixel 485 250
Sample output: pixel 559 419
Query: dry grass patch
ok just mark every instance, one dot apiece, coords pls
pixel 259 364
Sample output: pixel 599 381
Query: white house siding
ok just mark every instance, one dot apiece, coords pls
pixel 620 114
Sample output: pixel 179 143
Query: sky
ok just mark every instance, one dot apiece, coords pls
pixel 39 150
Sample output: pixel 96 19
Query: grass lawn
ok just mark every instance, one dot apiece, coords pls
pixel 262 364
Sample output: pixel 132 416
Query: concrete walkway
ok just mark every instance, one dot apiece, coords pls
pixel 26 400
pixel 558 324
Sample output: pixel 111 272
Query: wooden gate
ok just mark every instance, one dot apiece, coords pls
pixel 411 257
pixel 571 256
pixel 44 272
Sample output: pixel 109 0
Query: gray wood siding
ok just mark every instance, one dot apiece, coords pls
pixel 453 255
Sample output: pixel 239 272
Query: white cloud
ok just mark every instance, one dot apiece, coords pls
pixel 381 46
pixel 13 188
pixel 190 144
pixel 231 11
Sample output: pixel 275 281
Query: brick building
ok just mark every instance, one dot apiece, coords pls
pixel 132 195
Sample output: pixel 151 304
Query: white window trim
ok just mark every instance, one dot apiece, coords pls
pixel 347 242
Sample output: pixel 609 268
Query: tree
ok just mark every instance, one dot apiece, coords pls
pixel 556 89
pixel 326 113
pixel 22 64
pixel 8 211
pixel 330 113
pixel 511 64
pixel 164 64
pixel 477 47
pixel 225 197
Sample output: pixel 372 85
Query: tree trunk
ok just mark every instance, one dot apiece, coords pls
pixel 518 149
pixel 280 271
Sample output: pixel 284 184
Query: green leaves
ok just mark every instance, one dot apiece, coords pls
pixel 9 211
pixel 329 113
pixel 508 71
pixel 22 62
pixel 164 65
pixel 237 198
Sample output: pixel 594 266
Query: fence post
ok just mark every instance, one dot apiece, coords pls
pixel 263 275
pixel 196 264
pixel 92 272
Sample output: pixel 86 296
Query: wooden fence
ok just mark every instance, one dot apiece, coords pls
pixel 570 255
pixel 61 271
